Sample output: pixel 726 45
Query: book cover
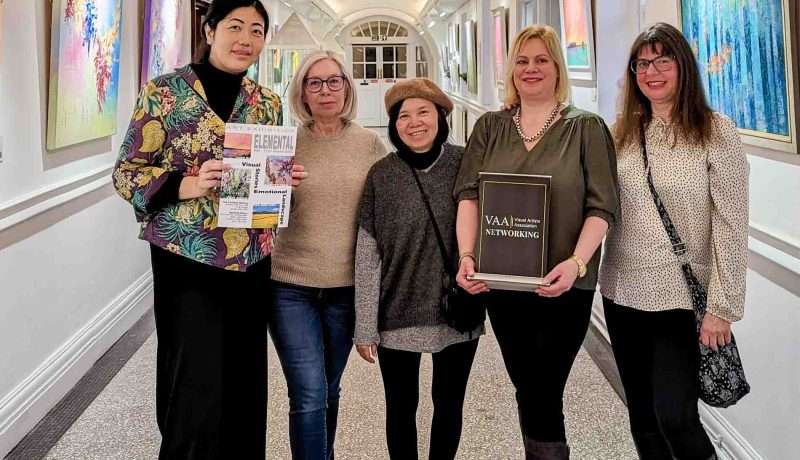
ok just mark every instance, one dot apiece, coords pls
pixel 513 211
pixel 256 191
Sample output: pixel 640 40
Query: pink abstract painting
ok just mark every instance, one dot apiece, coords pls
pixel 167 37
pixel 84 71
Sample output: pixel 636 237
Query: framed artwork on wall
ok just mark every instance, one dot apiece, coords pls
pixel 577 36
pixel 500 44
pixel 744 50
pixel 199 10
pixel 84 71
pixel 167 37
pixel 463 47
pixel 472 56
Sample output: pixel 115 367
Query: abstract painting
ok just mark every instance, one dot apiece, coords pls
pixel 744 55
pixel 500 48
pixel 167 37
pixel 578 39
pixel 84 71
pixel 472 56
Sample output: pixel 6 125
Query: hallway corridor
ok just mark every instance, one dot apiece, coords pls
pixel 120 423
pixel 114 107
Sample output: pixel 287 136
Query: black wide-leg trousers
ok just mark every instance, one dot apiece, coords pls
pixel 211 375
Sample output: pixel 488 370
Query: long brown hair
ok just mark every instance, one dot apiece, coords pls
pixel 691 116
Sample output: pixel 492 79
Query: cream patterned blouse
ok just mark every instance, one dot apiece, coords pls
pixel 705 191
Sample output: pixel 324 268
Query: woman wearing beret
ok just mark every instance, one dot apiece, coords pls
pixel 399 271
pixel 540 332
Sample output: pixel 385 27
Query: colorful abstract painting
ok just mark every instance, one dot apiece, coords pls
pixel 742 51
pixel 167 37
pixel 471 48
pixel 576 33
pixel 84 71
pixel 500 45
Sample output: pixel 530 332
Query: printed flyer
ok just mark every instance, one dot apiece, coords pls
pixel 257 190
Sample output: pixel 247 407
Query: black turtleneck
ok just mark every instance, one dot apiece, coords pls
pixel 422 160
pixel 222 88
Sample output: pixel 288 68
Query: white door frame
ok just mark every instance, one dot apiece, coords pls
pixel 371 90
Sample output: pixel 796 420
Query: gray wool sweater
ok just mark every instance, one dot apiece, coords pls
pixel 398 262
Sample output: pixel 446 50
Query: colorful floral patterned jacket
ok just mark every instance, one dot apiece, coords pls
pixel 174 130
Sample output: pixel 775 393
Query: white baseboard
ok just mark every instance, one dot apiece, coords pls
pixel 729 443
pixel 31 400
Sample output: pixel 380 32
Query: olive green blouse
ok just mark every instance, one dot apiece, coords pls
pixel 577 151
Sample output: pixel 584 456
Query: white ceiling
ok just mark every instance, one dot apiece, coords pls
pixel 344 8
pixel 342 11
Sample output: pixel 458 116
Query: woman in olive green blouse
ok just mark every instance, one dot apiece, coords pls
pixel 541 332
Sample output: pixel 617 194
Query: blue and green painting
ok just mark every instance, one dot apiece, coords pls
pixel 739 45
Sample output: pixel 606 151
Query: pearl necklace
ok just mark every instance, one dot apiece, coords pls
pixel 545 127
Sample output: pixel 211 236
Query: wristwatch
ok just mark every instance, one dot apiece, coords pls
pixel 581 265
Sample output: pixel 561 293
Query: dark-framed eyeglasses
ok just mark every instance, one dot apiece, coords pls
pixel 661 63
pixel 314 85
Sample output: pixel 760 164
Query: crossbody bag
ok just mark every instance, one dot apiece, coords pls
pixel 721 375
pixel 463 311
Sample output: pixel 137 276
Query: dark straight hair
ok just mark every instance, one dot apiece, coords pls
pixel 218 11
pixel 442 130
pixel 691 115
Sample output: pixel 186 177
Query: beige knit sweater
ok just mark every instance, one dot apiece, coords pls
pixel 318 247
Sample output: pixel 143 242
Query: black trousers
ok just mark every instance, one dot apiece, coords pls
pixel 211 375
pixel 539 338
pixel 400 372
pixel 657 356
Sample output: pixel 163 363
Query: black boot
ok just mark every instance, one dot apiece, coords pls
pixel 540 450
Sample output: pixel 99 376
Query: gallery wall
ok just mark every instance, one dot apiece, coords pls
pixel 74 275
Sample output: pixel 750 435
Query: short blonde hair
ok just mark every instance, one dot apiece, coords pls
pixel 300 109
pixel 551 41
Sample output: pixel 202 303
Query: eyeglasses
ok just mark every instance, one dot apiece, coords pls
pixel 314 85
pixel 661 63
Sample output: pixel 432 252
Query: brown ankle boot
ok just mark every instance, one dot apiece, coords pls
pixel 541 450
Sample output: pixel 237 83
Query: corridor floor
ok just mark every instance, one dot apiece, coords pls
pixel 120 423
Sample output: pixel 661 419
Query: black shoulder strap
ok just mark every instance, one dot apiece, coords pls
pixel 678 246
pixel 439 238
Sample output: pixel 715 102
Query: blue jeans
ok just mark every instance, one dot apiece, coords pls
pixel 312 330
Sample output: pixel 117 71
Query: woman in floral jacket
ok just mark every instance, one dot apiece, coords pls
pixel 211 319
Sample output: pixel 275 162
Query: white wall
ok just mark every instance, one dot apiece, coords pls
pixel 74 275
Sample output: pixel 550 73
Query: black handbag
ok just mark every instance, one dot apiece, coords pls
pixel 721 375
pixel 463 311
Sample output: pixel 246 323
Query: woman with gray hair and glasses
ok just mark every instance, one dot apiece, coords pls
pixel 312 321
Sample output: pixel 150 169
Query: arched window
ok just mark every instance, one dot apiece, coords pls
pixel 378 30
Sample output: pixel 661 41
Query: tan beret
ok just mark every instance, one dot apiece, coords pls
pixel 422 88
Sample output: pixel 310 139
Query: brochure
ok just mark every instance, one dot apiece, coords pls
pixel 256 192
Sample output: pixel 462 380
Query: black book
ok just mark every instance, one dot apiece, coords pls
pixel 512 245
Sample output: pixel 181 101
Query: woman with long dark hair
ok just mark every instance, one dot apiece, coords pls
pixel 699 170
pixel 211 316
